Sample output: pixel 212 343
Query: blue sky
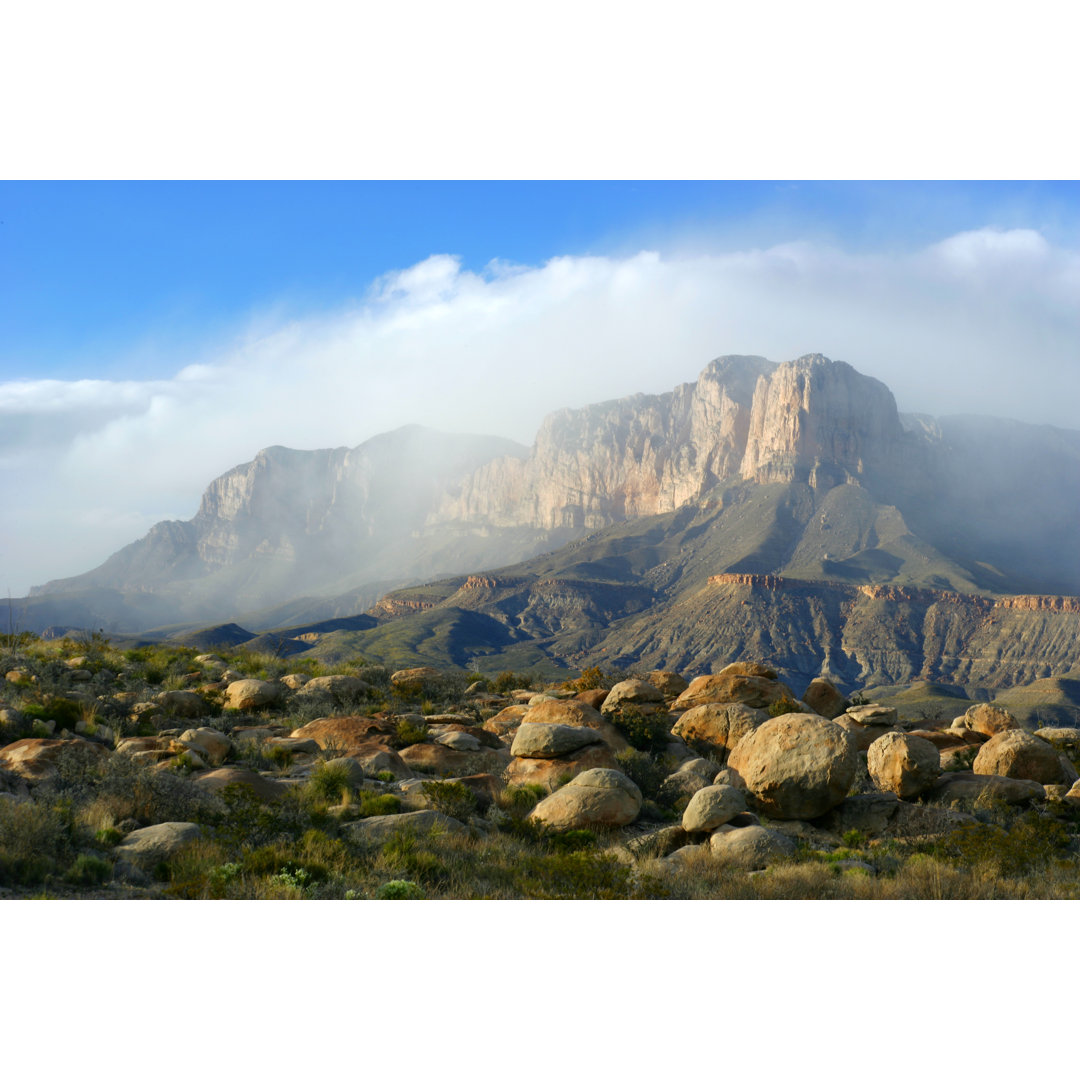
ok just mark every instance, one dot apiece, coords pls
pixel 154 335
pixel 127 279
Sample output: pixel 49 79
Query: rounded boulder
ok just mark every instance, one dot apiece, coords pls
pixel 903 764
pixel 603 798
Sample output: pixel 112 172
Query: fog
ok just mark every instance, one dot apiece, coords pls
pixel 983 322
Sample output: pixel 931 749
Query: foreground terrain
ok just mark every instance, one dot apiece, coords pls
pixel 165 772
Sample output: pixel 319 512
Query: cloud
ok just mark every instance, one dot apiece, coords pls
pixel 985 321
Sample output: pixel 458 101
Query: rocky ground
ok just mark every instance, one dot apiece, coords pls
pixel 160 772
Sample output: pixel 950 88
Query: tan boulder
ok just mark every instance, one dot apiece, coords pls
pixel 39 759
pixel 294 680
pixel 264 789
pixel 594 698
pixel 417 679
pixel 1061 738
pixel 902 764
pixel 863 736
pixel 596 798
pixel 550 772
pixel 552 740
pixel 185 703
pixel 717 728
pixel 989 720
pixel 872 715
pixel 338 687
pixel 690 777
pixel 377 830
pixel 154 844
pixel 796 766
pixel 751 848
pixel 435 758
pixel 749 667
pixel 209 744
pixel 343 732
pixel 712 807
pixel 962 786
pixel 1020 756
pixel 669 683
pixel 575 714
pixel 634 693
pixel 247 694
pixel 823 698
pixel 757 691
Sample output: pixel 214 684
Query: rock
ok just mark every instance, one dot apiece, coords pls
pixel 596 798
pixel 506 720
pixel 668 683
pixel 1061 738
pixel 953 787
pixel 717 728
pixel 883 716
pixel 756 691
pixel 293 746
pixel 903 764
pixel 377 830
pixel 576 714
pixel 690 777
pixel 340 688
pixel 375 759
pixel 185 703
pixel 712 807
pixel 863 736
pixel 264 789
pixel 39 759
pixel 431 757
pixel 1074 791
pixel 295 680
pixel 752 848
pixel 749 667
pixel 958 758
pixel 989 720
pixel 484 786
pixel 248 694
pixel 1020 756
pixel 551 740
pixel 350 768
pixel 417 679
pixel 141 744
pixel 823 697
pixel 884 814
pixel 343 732
pixel 593 698
pixel 550 772
pixel 796 766
pixel 943 740
pixel 459 740
pixel 635 693
pixel 658 844
pixel 147 847
pixel 208 743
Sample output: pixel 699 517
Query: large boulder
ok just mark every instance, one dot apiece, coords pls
pixel 757 691
pixel 690 777
pixel 596 798
pixel 418 679
pixel 212 746
pixel 40 759
pixel 963 787
pixel 345 732
pixel 712 807
pixel 1061 738
pixel 824 699
pixel 717 728
pixel 669 683
pixel 796 766
pixel 551 740
pixel 551 772
pixel 339 688
pixel 1020 756
pixel 248 694
pixel 576 714
pixel 751 848
pixel 185 703
pixel 262 787
pixel 633 693
pixel 436 758
pixel 145 848
pixel 988 720
pixel 377 830
pixel 903 764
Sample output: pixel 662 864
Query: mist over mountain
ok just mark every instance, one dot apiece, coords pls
pixel 796 491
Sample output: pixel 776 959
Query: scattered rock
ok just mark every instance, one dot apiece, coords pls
pixel 147 847
pixel 962 787
pixel 39 759
pixel 340 688
pixel 264 789
pixel 596 798
pixel 344 732
pixel 208 743
pixel 989 720
pixel 551 740
pixel 377 830
pixel 796 766
pixel 903 764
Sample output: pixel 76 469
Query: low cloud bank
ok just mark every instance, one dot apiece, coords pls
pixel 982 322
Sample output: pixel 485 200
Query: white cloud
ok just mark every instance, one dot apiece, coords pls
pixel 985 321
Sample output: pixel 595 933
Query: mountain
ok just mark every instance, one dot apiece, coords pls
pixel 784 512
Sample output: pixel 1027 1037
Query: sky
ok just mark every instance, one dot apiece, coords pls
pixel 155 334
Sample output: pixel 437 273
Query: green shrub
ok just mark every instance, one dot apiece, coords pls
pixel 62 711
pixel 399 890
pixel 450 797
pixel 373 805
pixel 88 871
pixel 408 733
pixel 644 731
pixel 648 771
pixel 784 705
pixel 506 681
pixel 590 679
pixel 330 780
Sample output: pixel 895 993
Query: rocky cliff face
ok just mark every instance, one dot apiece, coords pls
pixel 744 418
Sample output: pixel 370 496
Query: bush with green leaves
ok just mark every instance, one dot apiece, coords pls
pixel 408 734
pixel 507 681
pixel 399 890
pixel 450 797
pixel 644 731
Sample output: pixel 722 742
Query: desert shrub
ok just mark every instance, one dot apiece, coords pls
pixel 399 890
pixel 519 800
pixel 962 759
pixel 506 681
pixel 64 712
pixel 407 733
pixel 374 805
pixel 88 871
pixel 590 679
pixel 644 731
pixel 784 705
pixel 1029 843
pixel 35 841
pixel 404 853
pixel 330 780
pixel 451 798
pixel 648 771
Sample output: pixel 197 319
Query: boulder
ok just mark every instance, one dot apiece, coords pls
pixel 416 679
pixel 458 740
pixel 881 813
pixel 668 683
pixel 903 764
pixel 796 766
pixel 824 699
pixel 550 772
pixel 658 844
pixel 294 680
pixel 749 667
pixel 717 728
pixel 593 698
pixel 989 720
pixel 264 789
pixel 1020 756
pixel 596 798
pixel 505 721
pixel 690 777
pixel 248 694
pixel 1061 738
pixel 340 688
pixel 209 744
pixel 962 787
pixel 185 703
pixel 374 758
pixel 872 715
pixel 551 740
pixel 757 691
pixel 575 714
pixel 752 848
pixel 377 830
pixel 434 758
pixel 145 848
pixel 863 736
pixel 712 807
pixel 40 759
pixel 344 732
pixel 635 693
